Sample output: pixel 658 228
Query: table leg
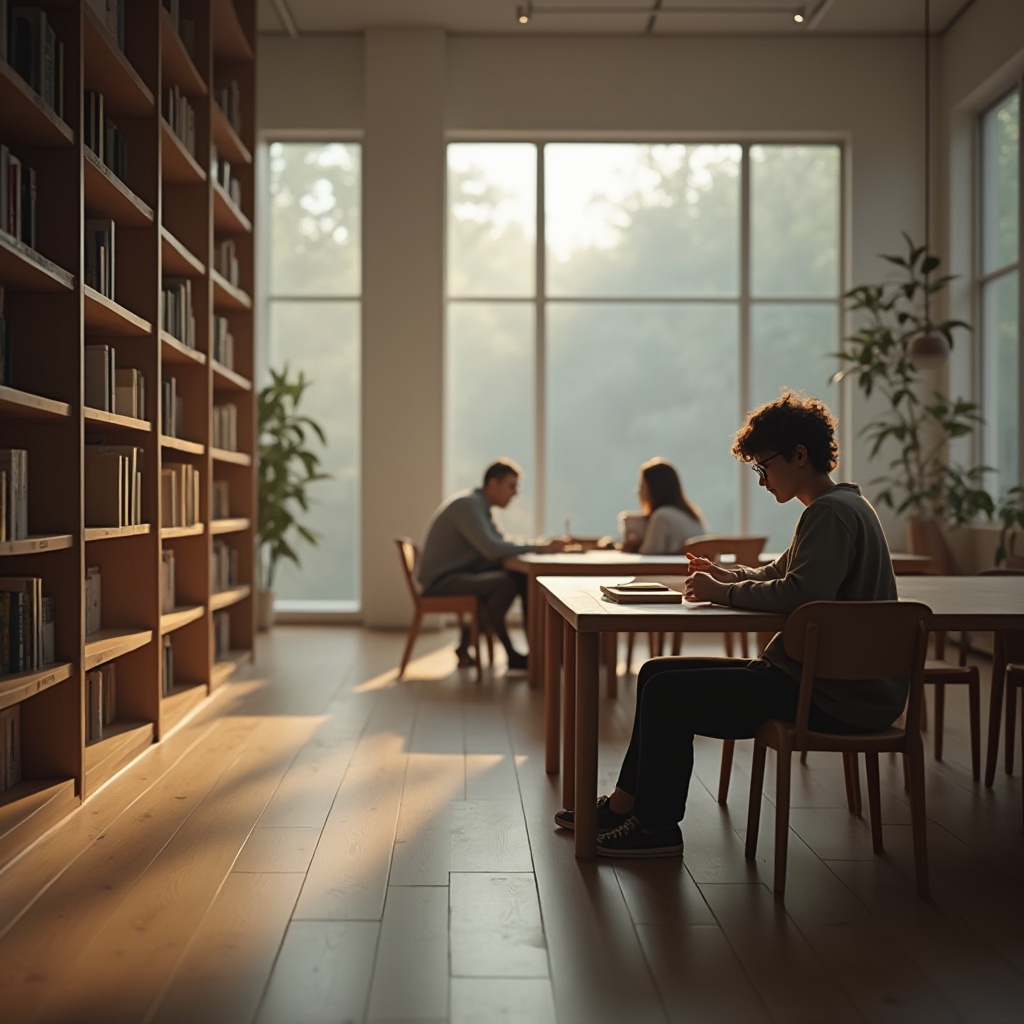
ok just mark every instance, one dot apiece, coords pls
pixel 569 717
pixel 610 642
pixel 995 706
pixel 534 626
pixel 587 664
pixel 552 667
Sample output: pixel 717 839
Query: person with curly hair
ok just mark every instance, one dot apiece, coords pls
pixel 838 552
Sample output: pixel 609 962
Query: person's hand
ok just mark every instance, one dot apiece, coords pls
pixel 698 563
pixel 606 544
pixel 701 586
pixel 554 545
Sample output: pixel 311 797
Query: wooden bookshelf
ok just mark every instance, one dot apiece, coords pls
pixel 169 214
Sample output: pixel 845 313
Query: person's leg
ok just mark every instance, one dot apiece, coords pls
pixel 496 588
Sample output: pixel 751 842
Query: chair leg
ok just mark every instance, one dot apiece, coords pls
pixel 629 652
pixel 940 718
pixel 677 644
pixel 915 763
pixel 874 799
pixel 724 774
pixel 974 702
pixel 754 801
pixel 851 771
pixel 995 708
pixel 783 768
pixel 1011 726
pixel 474 639
pixel 490 648
pixel 727 640
pixel 414 629
pixel 744 645
pixel 657 643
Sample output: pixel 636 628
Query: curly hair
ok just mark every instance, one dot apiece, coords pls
pixel 792 419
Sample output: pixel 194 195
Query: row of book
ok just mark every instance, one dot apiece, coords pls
pixel 220 496
pixel 181 116
pixel 221 171
pixel 167 667
pixel 225 260
pixel 228 97
pixel 17 197
pixel 10 747
pixel 112 388
pixel 221 634
pixel 113 485
pixel 103 137
pixel 93 599
pixel 185 27
pixel 167 584
pixel 100 700
pixel 172 407
pixel 111 14
pixel 224 426
pixel 13 494
pixel 99 255
pixel 176 310
pixel 179 494
pixel 6 341
pixel 223 342
pixel 27 634
pixel 32 48
pixel 223 566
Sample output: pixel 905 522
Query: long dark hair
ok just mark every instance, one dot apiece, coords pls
pixel 665 488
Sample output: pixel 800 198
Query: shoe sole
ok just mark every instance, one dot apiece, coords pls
pixel 659 851
pixel 570 826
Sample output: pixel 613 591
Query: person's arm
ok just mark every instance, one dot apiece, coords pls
pixel 478 530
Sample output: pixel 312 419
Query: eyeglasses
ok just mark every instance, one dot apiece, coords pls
pixel 759 467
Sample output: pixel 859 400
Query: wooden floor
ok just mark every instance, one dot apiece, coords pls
pixel 322 844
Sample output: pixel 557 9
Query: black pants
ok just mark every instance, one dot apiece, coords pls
pixel 497 589
pixel 677 698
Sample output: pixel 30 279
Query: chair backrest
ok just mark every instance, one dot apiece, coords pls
pixel 408 555
pixel 745 549
pixel 850 640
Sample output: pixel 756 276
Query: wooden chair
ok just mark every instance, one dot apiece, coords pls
pixel 457 604
pixel 939 673
pixel 827 637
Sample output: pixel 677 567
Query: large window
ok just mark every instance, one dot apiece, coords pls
pixel 313 290
pixel 608 303
pixel 999 290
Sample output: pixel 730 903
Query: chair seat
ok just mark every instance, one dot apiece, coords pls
pixel 449 603
pixel 938 671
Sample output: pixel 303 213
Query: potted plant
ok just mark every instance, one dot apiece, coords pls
pixel 1011 518
pixel 921 480
pixel 287 468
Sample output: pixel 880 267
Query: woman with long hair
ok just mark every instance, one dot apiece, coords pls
pixel 672 519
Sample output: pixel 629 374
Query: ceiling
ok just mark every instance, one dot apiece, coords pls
pixel 612 17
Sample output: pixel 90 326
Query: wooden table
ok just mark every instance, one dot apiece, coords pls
pixel 576 616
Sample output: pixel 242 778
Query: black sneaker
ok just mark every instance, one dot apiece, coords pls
pixel 466 659
pixel 517 661
pixel 630 840
pixel 607 819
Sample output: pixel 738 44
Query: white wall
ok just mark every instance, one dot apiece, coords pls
pixel 416 86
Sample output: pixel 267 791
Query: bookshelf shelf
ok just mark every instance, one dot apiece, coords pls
pixel 109 317
pixel 226 215
pixel 21 267
pixel 27 120
pixel 171 532
pixel 229 146
pixel 226 598
pixel 176 705
pixel 16 688
pixel 177 260
pixel 179 444
pixel 108 71
pixel 237 525
pixel 226 296
pixel 229 39
pixel 22 405
pixel 229 663
pixel 178 67
pixel 92 533
pixel 123 743
pixel 179 165
pixel 30 808
pixel 106 195
pixel 173 620
pixel 175 351
pixel 237 458
pixel 228 380
pixel 37 545
pixel 113 419
pixel 107 644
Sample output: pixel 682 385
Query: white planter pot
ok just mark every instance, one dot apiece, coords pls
pixel 264 610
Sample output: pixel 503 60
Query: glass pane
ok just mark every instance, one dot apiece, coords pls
pixel 1000 144
pixel 315 218
pixel 642 220
pixel 794 221
pixel 790 346
pixel 1000 399
pixel 626 383
pixel 492 219
pixel 322 339
pixel 489 400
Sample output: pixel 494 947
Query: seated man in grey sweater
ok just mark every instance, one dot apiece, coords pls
pixel 463 552
pixel 838 553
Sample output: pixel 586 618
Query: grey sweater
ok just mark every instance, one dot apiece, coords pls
pixel 838 553
pixel 463 537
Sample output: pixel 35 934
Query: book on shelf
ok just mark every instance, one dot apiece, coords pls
pixel 10 747
pixel 167 666
pixel 179 494
pixel 35 52
pixel 167 584
pixel 224 425
pixel 642 593
pixel 171 407
pixel 225 260
pixel 223 342
pixel 220 495
pixel 223 566
pixel 113 485
pixel 223 175
pixel 100 377
pixel 181 117
pixel 100 700
pixel 176 311
pixel 14 466
pixel 111 16
pixel 17 197
pixel 93 599
pixel 99 255
pixel 228 96
pixel 221 634
pixel 49 631
pixel 102 136
pixel 23 623
pixel 129 392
